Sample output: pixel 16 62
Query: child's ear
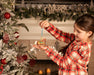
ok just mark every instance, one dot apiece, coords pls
pixel 90 33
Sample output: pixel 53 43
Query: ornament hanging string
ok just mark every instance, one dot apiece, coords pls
pixel 41 33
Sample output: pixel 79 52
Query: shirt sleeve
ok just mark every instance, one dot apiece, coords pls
pixel 60 35
pixel 77 57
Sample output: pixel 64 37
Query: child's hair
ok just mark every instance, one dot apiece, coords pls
pixel 85 22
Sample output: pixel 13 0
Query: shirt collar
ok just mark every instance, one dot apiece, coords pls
pixel 82 42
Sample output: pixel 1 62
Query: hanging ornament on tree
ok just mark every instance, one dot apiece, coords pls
pixel 15 43
pixel 3 61
pixel 1 69
pixel 16 34
pixel 7 15
pixel 24 57
pixel 6 38
pixel 32 62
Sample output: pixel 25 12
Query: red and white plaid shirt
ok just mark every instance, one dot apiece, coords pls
pixel 77 55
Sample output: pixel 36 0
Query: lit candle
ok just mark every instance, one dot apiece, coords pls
pixel 48 71
pixel 40 72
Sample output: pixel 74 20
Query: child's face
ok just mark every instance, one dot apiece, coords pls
pixel 81 35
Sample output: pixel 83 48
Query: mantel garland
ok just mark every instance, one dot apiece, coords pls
pixel 54 12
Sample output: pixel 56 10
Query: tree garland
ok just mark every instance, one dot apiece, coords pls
pixel 54 12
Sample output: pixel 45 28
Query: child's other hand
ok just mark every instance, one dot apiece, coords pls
pixel 44 24
pixel 40 47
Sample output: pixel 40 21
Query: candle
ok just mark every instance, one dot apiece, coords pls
pixel 40 72
pixel 48 71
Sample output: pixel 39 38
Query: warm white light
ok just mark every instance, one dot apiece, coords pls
pixel 40 72
pixel 48 70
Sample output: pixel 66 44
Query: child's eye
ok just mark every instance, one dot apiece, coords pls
pixel 78 31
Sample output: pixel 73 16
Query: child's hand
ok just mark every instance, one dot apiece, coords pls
pixel 40 47
pixel 44 24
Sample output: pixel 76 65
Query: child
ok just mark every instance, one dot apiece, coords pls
pixel 77 54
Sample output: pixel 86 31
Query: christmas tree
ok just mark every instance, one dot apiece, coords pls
pixel 13 58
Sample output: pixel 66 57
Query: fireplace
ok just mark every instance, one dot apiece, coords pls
pixel 43 65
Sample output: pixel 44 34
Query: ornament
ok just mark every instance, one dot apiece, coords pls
pixel 1 69
pixel 16 34
pixel 32 62
pixel 3 61
pixel 7 15
pixel 15 43
pixel 5 38
pixel 24 57
pixel 43 40
pixel 20 59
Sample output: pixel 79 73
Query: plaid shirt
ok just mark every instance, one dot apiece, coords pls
pixel 77 55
